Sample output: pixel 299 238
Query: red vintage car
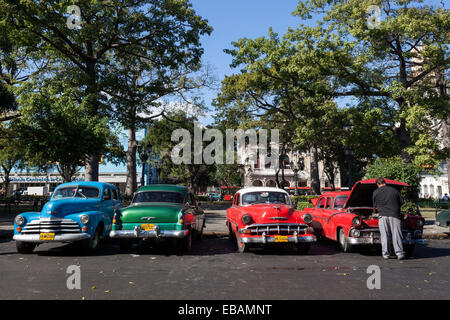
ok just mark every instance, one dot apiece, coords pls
pixel 263 216
pixel 350 218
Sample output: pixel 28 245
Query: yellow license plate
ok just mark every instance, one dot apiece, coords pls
pixel 47 236
pixel 281 239
pixel 147 227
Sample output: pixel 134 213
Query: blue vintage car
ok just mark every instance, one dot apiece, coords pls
pixel 80 212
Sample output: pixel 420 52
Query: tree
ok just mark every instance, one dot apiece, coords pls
pixel 397 169
pixel 394 61
pixel 136 90
pixel 195 175
pixel 55 131
pixel 85 38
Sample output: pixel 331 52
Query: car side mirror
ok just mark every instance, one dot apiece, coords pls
pixel 294 205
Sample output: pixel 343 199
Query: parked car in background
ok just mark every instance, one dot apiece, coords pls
pixel 350 218
pixel 79 212
pixel 262 216
pixel 443 219
pixel 160 213
pixel 213 196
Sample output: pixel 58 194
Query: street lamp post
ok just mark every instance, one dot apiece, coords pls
pixel 349 153
pixel 297 165
pixel 142 150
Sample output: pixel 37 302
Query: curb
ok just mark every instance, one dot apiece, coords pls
pixel 436 236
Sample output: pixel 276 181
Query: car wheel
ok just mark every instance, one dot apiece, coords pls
pixel 25 247
pixel 343 242
pixel 241 246
pixel 91 245
pixel 185 244
pixel 199 235
pixel 231 235
pixel 303 248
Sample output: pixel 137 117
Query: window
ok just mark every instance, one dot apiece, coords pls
pixel 159 196
pixel 339 202
pixel 76 192
pixel 236 200
pixel 265 197
pixel 107 194
pixel 115 195
pixel 329 202
pixel 322 203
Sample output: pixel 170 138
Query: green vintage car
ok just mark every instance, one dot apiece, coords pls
pixel 160 213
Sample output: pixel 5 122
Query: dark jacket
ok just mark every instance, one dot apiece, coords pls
pixel 388 201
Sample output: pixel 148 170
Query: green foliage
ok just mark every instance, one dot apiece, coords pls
pixel 55 130
pixel 303 205
pixel 397 169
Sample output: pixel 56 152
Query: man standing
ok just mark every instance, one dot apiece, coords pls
pixel 388 201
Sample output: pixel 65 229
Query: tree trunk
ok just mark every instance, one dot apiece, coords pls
pixel 92 161
pixel 131 184
pixel 314 168
pixel 91 168
pixel 6 182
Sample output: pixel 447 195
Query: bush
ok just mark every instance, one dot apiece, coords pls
pixel 302 205
pixel 397 169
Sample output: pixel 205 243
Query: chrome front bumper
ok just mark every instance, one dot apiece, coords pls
pixel 271 239
pixel 67 237
pixel 156 233
pixel 373 240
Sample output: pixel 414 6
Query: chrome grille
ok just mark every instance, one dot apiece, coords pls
pixel 279 229
pixel 51 225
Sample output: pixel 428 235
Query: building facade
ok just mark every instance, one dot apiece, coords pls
pixel 435 184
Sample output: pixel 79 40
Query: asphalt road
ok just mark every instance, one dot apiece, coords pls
pixel 214 270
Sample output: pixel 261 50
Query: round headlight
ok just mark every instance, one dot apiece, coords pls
pixel 356 221
pixel 307 218
pixel 355 233
pixel 84 219
pixel 19 220
pixel 246 219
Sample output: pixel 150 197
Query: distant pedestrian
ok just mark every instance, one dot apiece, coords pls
pixel 445 198
pixel 388 201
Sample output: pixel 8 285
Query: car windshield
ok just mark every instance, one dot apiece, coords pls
pixel 265 197
pixel 159 196
pixel 339 202
pixel 76 192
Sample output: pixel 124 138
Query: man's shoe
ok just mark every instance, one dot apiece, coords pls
pixel 401 257
pixel 386 257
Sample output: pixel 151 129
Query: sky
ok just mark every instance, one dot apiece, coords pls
pixel 232 20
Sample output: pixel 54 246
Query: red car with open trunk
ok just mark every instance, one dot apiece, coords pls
pixel 262 216
pixel 350 218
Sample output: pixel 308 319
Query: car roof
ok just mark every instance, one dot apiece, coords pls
pixel 261 189
pixel 335 193
pixel 163 187
pixel 95 184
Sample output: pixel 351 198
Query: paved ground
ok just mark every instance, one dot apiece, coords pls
pixel 214 270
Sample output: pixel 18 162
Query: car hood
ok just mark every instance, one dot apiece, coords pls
pixel 361 194
pixel 151 213
pixel 269 213
pixel 62 207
